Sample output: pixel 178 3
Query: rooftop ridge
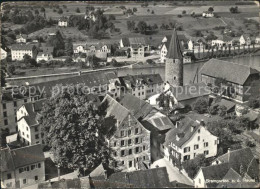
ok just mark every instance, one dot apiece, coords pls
pixel 25 147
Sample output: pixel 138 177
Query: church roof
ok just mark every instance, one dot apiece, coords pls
pixel 174 51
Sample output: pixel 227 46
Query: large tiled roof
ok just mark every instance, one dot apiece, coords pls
pixel 139 108
pixel 137 40
pixel 88 80
pixel 232 72
pixel 242 157
pixel 22 47
pixel 151 178
pixel 148 79
pixel 187 92
pixel 174 51
pixel 11 159
pixel 183 130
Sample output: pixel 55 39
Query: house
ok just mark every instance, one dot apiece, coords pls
pixel 240 166
pixel 22 38
pixel 28 127
pixel 19 50
pixel 22 167
pixel 186 59
pixel 230 106
pixel 257 39
pixel 41 56
pixel 79 48
pixel 142 86
pixel 208 14
pixel 166 44
pixel 137 45
pixel 187 139
pixel 3 54
pixel 10 103
pixel 63 22
pixel 151 178
pixel 188 94
pixel 131 141
pixel 222 40
pixel 91 16
pixel 242 81
pixel 196 44
pixel 245 39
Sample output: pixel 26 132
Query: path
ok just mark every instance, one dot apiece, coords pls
pixel 173 172
pixel 223 21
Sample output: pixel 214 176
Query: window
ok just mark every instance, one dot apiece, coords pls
pixel 122 133
pixel 136 140
pixel 23 133
pixel 15 104
pixel 143 148
pixel 27 136
pixel 25 100
pixel 216 142
pixel 194 155
pixel 196 146
pixel 115 154
pixel 206 144
pixel 37 136
pixel 136 130
pixel 199 131
pixel 24 181
pixel 36 178
pixel 5 114
pixel 123 162
pixel 206 152
pixel 142 93
pixel 39 165
pixel 129 141
pixel 20 170
pixel 36 129
pixel 130 151
pixel 122 142
pixel 199 181
pixel 122 153
pixel 32 167
pixel 27 128
pixel 129 132
pixel 187 149
pixel 137 150
pixel 143 157
pixel 27 168
pixel 130 163
pixel 115 144
pixel 42 134
pixel 198 138
pixel 6 122
pixel 9 176
pixel 138 94
pixel 4 106
pixel 186 157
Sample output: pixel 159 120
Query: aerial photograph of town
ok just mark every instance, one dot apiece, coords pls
pixel 130 94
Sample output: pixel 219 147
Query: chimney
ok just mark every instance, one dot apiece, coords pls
pixel 228 154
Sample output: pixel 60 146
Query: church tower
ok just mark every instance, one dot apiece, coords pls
pixel 174 63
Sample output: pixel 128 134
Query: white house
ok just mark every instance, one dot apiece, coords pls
pixel 208 14
pixel 79 49
pixel 28 127
pixel 91 16
pixel 3 54
pixel 245 40
pixel 43 56
pixel 23 166
pixel 189 138
pixel 19 50
pixel 222 41
pixel 21 38
pixel 63 22
pixel 257 39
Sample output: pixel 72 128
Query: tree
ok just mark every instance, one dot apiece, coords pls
pixel 200 105
pixel 57 42
pixel 115 63
pixel 111 17
pixel 211 9
pixel 130 25
pixel 234 9
pixel 60 11
pixel 11 69
pixel 222 111
pixel 26 58
pixel 253 102
pixel 76 130
pixel 184 12
pixel 33 62
pixel 142 26
pixel 36 12
pixel 42 9
pixel 152 12
pixel 134 9
pixel 68 47
pixel 77 10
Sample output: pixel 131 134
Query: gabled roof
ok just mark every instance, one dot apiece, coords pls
pixel 47 49
pixel 99 171
pixel 227 103
pixel 174 51
pixel 184 129
pixel 232 72
pixel 161 123
pixel 139 108
pixel 22 36
pixel 187 92
pixel 137 40
pixel 15 158
pixel 243 157
pixel 126 42
pixel 63 19
pixel 151 178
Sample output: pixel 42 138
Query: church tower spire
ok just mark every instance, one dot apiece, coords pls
pixel 174 63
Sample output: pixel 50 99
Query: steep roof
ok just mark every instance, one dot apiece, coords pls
pixel 151 178
pixel 139 108
pixel 243 157
pixel 15 158
pixel 174 51
pixel 183 130
pixel 187 92
pixel 161 123
pixel 232 72
pixel 137 40
pixel 99 171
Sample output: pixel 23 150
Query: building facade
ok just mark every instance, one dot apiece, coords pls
pixel 3 54
pixel 19 50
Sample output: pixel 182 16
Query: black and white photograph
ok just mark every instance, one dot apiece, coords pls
pixel 130 94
